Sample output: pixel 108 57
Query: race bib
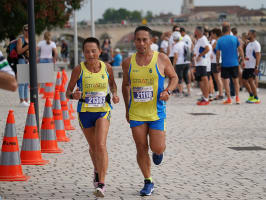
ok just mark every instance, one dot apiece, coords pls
pixel 143 94
pixel 95 99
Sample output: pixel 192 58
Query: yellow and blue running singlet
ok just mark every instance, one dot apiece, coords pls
pixel 94 88
pixel 147 83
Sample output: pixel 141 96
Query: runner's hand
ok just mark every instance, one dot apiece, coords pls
pixel 256 72
pixel 77 94
pixel 164 96
pixel 115 99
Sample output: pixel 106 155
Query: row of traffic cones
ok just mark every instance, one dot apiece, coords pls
pixel 56 119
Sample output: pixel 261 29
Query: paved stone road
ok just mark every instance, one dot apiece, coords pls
pixel 198 163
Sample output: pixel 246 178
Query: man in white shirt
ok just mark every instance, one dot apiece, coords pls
pixel 200 50
pixel 164 43
pixel 188 42
pixel 154 45
pixel 252 61
pixel 179 60
pixel 171 44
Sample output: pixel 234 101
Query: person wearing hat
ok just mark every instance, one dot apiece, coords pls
pixel 117 58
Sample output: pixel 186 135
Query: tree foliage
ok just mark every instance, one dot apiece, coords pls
pixel 48 14
pixel 112 15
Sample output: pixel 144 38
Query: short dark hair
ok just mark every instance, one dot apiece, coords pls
pixel 174 27
pixel 217 32
pixel 226 28
pixel 91 40
pixel 200 29
pixel 234 30
pixel 182 29
pixel 143 28
pixel 253 32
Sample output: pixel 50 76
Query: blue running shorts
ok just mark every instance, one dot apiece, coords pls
pixel 88 119
pixel 156 125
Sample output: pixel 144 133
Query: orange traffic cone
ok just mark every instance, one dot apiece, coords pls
pixel 31 151
pixel 58 81
pixel 42 88
pixel 58 119
pixel 70 110
pixel 10 166
pixel 64 107
pixel 48 91
pixel 48 136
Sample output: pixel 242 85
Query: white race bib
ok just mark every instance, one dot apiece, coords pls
pixel 143 94
pixel 95 99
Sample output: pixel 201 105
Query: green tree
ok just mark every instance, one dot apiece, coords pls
pixel 112 15
pixel 48 14
pixel 149 16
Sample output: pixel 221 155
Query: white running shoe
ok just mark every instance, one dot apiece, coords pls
pixel 100 190
pixel 24 104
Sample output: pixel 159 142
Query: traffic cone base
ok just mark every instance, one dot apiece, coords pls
pixel 10 165
pixel 4 170
pixel 61 136
pixel 48 147
pixel 31 151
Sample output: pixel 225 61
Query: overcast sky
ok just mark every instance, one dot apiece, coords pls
pixel 156 6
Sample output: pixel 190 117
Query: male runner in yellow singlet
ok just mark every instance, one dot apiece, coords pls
pixel 144 95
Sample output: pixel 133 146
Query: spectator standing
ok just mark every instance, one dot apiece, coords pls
pixel 23 52
pixel 117 58
pixel 64 50
pixel 107 51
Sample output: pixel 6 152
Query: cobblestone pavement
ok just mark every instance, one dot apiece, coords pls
pixel 197 165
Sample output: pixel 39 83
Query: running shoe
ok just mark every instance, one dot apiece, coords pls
pixel 157 159
pixel 250 99
pixel 147 189
pixel 237 100
pixel 100 190
pixel 256 101
pixel 96 179
pixel 219 97
pixel 228 101
pixel 211 97
pixel 203 102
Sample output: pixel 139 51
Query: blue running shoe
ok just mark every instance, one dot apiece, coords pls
pixel 157 159
pixel 147 189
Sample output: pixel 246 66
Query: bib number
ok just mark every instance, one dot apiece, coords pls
pixel 95 99
pixel 143 94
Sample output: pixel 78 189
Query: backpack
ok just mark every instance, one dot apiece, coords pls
pixel 187 53
pixel 12 55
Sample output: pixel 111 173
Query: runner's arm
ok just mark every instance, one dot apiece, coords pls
pixel 218 54
pixel 175 59
pixel 72 83
pixel 126 83
pixel 8 82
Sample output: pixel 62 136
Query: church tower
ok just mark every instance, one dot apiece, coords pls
pixel 187 6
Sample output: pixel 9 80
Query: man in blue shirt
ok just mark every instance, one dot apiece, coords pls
pixel 228 45
pixel 117 58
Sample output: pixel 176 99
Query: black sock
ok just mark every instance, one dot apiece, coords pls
pixel 256 97
pixel 250 94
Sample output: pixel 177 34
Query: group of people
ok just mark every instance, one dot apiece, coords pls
pixel 217 59
pixel 212 56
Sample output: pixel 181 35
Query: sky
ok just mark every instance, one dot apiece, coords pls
pixel 156 6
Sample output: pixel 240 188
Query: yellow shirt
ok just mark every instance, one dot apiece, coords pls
pixel 94 88
pixel 147 83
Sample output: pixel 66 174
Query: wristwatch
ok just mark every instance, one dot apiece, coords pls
pixel 168 91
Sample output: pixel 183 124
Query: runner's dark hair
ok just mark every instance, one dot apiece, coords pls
pixel 91 40
pixel 143 28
